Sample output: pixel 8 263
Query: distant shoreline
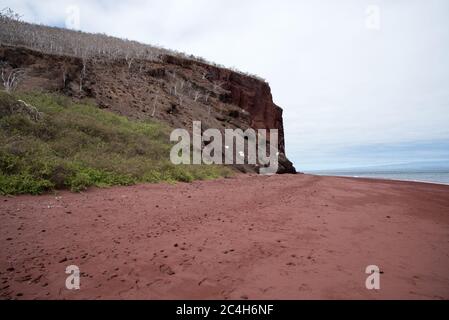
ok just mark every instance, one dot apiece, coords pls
pixel 380 176
pixel 377 178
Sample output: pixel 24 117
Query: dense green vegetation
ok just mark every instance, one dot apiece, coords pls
pixel 49 142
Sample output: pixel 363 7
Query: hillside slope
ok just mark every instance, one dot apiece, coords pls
pixel 137 80
pixel 174 90
pixel 48 142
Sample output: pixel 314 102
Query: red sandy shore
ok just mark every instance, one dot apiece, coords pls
pixel 280 237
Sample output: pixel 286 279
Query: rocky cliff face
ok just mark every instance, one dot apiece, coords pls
pixel 174 90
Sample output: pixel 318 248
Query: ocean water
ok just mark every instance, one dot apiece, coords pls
pixel 430 177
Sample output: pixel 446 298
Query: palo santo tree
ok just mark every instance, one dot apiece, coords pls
pixel 10 77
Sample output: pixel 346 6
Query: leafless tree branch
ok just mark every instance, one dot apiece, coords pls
pixel 10 77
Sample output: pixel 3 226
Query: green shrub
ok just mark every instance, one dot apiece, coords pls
pixel 23 184
pixel 77 145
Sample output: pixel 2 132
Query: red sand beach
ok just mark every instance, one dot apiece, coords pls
pixel 249 237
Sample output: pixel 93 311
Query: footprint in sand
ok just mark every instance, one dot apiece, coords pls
pixel 166 269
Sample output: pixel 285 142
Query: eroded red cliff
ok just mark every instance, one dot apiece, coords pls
pixel 174 90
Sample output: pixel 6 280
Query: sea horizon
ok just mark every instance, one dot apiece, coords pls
pixel 435 177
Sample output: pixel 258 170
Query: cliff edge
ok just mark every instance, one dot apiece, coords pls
pixel 171 89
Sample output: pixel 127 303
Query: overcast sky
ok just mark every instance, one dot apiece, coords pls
pixel 361 82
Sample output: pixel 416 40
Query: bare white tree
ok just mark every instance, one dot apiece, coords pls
pixel 61 41
pixel 64 76
pixel 30 110
pixel 154 104
pixel 141 66
pixel 218 85
pixel 181 84
pixel 11 78
pixel 197 96
pixel 85 60
pixel 13 31
pixel 175 89
pixel 129 58
pixel 8 13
